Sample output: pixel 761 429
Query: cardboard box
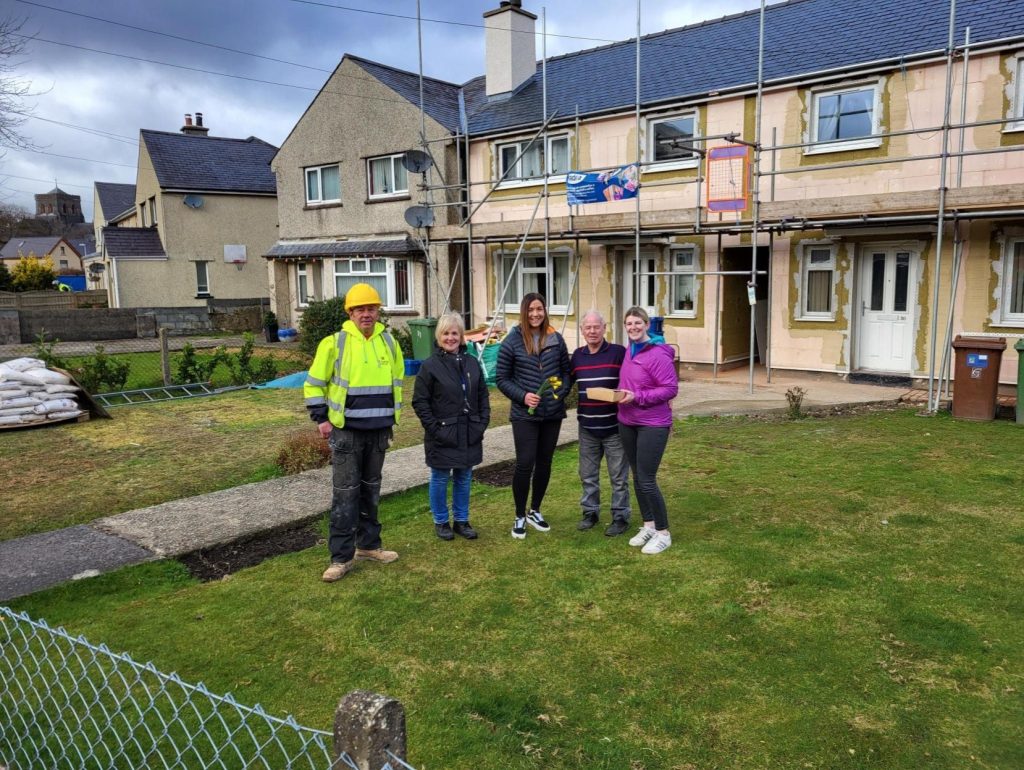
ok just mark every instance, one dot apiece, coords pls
pixel 604 394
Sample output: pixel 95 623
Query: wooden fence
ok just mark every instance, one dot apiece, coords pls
pixel 52 300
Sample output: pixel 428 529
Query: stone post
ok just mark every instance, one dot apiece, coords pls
pixel 368 725
pixel 165 356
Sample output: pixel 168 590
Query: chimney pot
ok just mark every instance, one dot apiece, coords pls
pixel 199 119
pixel 188 118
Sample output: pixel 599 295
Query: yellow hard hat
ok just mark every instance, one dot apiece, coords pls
pixel 361 294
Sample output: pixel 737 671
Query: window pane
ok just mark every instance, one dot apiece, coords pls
pixel 401 282
pixel 560 279
pixel 899 303
pixel 380 176
pixel 342 266
pixel 877 281
pixel 331 183
pixel 380 283
pixel 1016 278
pixel 357 266
pixel 559 155
pixel 401 176
pixel 508 156
pixel 378 265
pixel 682 293
pixel 312 185
pixel 672 139
pixel 300 271
pixel 819 291
pixel 507 260
pixel 535 282
pixel 683 259
pixel 202 281
pixel 821 256
pixel 342 283
pixel 531 161
pixel 855 114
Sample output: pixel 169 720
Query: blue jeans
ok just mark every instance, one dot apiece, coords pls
pixel 460 478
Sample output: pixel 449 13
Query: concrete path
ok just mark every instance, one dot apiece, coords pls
pixel 191 524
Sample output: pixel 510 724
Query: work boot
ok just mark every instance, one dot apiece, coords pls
pixel 617 527
pixel 589 521
pixel 336 571
pixel 465 529
pixel 377 554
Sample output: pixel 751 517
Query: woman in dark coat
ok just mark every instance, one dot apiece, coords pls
pixel 452 402
pixel 532 353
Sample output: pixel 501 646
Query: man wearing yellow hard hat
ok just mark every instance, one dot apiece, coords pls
pixel 353 392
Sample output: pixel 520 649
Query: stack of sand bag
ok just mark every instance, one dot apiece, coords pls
pixel 31 393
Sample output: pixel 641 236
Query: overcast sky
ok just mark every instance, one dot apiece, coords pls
pixel 302 41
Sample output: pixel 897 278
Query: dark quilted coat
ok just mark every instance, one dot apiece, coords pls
pixel 519 373
pixel 454 426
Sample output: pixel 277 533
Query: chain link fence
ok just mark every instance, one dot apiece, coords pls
pixel 66 703
pixel 116 366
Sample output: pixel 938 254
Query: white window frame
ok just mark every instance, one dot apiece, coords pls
pixel 319 184
pixel 671 165
pixel 533 181
pixel 302 283
pixel 1006 316
pixel 202 279
pixel 142 214
pixel 678 267
pixel 803 314
pixel 1017 102
pixel 516 289
pixel 152 210
pixel 360 266
pixel 843 145
pixel 396 160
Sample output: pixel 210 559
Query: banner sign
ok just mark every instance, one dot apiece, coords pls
pixel 614 185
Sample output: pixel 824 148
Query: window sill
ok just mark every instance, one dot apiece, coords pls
pixel 402 311
pixel 389 198
pixel 1015 323
pixel 328 205
pixel 670 165
pixel 203 295
pixel 855 144
pixel 816 318
pixel 536 181
pixel 685 314
pixel 1014 128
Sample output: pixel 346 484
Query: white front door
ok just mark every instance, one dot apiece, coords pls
pixel 887 309
pixel 648 281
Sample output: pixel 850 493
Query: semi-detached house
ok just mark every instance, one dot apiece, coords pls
pixel 852 149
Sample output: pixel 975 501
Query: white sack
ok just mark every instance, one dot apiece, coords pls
pixel 7 411
pixel 21 364
pixel 22 419
pixel 64 415
pixel 9 385
pixel 20 401
pixel 48 377
pixel 16 375
pixel 60 389
pixel 56 405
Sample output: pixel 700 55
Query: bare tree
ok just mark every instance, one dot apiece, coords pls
pixel 13 90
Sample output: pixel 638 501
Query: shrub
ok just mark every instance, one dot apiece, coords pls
pixel 5 278
pixel 44 352
pixel 33 274
pixel 245 369
pixel 404 339
pixel 191 368
pixel 303 451
pixel 101 373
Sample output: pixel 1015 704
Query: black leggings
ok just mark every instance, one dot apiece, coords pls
pixel 535 446
pixel 644 447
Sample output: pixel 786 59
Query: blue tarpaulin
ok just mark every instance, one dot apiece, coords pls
pixel 288 381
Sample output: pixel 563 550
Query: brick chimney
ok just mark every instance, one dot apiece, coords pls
pixel 194 129
pixel 509 47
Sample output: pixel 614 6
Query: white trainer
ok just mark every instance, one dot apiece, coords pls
pixel 641 537
pixel 658 543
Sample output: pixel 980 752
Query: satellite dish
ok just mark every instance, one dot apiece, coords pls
pixel 96 267
pixel 193 201
pixel 416 161
pixel 419 216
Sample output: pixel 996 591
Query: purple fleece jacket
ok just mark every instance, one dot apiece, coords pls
pixel 651 375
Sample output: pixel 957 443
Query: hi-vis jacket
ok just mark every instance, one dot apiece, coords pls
pixel 356 382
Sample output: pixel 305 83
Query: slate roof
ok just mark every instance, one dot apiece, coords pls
pixel 115 198
pixel 133 242
pixel 391 246
pixel 801 37
pixel 440 98
pixel 40 246
pixel 192 162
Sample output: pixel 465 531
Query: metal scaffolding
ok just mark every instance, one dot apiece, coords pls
pixel 757 226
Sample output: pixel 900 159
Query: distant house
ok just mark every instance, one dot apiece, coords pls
pixel 202 214
pixel 67 260
pixel 110 200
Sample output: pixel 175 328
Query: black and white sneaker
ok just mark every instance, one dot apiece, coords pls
pixel 519 528
pixel 537 521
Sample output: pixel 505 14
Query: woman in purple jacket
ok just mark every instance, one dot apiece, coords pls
pixel 648 377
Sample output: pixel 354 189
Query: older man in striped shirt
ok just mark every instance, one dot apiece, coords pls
pixel 597 365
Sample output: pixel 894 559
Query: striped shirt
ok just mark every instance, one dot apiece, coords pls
pixel 597 370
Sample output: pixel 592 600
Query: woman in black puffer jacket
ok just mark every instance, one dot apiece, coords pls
pixel 532 353
pixel 452 402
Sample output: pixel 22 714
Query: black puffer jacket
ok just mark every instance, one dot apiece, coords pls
pixel 454 420
pixel 519 373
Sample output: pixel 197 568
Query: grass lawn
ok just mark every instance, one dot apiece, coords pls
pixel 841 593
pixel 70 474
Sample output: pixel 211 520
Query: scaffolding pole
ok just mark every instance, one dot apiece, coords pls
pixel 756 194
